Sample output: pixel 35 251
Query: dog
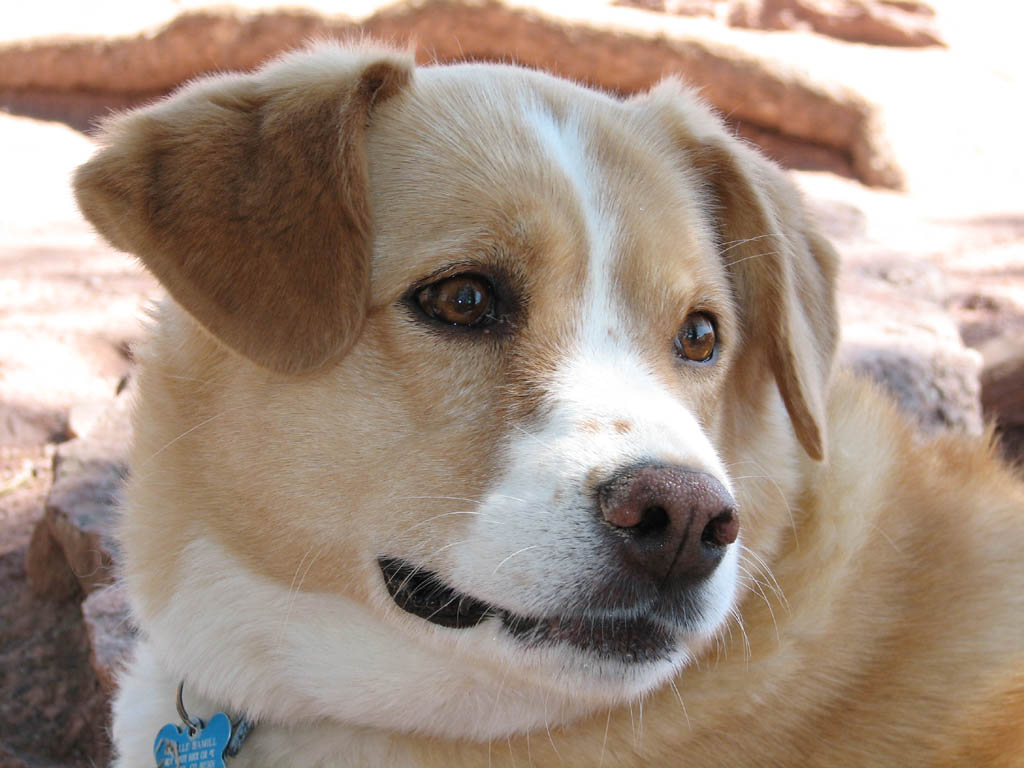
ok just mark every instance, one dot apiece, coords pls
pixel 492 420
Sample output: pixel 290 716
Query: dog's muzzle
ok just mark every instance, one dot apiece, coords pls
pixel 665 530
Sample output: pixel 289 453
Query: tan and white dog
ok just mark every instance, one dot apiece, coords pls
pixel 492 422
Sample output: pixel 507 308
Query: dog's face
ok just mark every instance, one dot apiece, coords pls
pixel 482 361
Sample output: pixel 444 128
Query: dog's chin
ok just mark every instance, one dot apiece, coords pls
pixel 624 650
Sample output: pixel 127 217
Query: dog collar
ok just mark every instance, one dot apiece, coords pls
pixel 198 744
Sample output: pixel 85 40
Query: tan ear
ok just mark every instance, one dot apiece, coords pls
pixel 782 269
pixel 246 195
pixel 783 272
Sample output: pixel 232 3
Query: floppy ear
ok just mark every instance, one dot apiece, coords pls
pixel 782 269
pixel 783 272
pixel 246 196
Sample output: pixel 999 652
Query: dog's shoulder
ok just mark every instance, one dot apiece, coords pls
pixel 930 530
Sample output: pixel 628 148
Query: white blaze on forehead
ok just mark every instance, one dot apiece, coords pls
pixel 565 143
pixel 603 376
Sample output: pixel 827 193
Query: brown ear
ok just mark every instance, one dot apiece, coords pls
pixel 246 195
pixel 783 271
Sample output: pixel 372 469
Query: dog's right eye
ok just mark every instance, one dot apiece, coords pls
pixel 463 300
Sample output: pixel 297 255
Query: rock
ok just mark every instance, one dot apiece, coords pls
pixel 710 8
pixel 21 426
pixel 878 22
pixel 48 571
pixel 80 512
pixel 896 330
pixel 914 349
pixel 1002 380
pixel 52 712
pixel 9 760
pixel 940 389
pixel 1011 440
pixel 111 634
pixel 904 23
pixel 622 50
pixel 81 507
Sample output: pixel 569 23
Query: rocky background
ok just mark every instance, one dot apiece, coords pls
pixel 900 119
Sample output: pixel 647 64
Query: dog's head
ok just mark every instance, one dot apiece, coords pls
pixel 485 381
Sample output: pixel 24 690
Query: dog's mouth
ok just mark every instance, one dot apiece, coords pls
pixel 628 640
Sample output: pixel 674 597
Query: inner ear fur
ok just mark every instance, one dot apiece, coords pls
pixel 246 196
pixel 783 271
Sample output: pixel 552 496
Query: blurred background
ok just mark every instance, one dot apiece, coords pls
pixel 900 119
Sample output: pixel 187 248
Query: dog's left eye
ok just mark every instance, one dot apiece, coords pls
pixel 696 339
pixel 459 300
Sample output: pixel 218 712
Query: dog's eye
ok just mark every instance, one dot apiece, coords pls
pixel 696 339
pixel 457 300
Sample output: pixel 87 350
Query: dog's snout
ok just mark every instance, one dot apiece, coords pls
pixel 670 523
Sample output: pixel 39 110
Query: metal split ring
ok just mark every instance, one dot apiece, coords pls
pixel 194 724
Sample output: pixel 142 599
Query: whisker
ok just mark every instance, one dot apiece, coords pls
pixel 437 517
pixel 531 436
pixel 763 567
pixel 728 245
pixel 604 744
pixel 547 726
pixel 748 653
pixel 767 602
pixel 778 489
pixel 192 429
pixel 416 569
pixel 679 696
pixel 748 258
pixel 640 718
pixel 632 723
pixel 886 537
pixel 517 552
pixel 294 589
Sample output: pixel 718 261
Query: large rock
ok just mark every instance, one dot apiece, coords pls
pixel 111 633
pixel 895 330
pixel 1002 391
pixel 906 23
pixel 618 49
pixel 48 571
pixel 1002 379
pixel 75 533
pixel 919 358
pixel 880 22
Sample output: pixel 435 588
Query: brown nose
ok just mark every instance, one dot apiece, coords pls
pixel 670 523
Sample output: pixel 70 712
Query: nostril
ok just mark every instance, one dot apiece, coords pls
pixel 721 530
pixel 653 522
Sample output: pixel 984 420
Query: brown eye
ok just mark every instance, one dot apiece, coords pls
pixel 458 300
pixel 696 339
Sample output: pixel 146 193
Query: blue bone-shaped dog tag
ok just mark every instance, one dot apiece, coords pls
pixel 175 748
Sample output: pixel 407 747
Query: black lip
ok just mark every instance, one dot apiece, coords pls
pixel 628 640
pixel 423 594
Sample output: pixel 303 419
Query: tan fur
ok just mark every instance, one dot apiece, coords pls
pixel 293 411
pixel 898 641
